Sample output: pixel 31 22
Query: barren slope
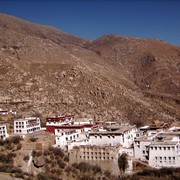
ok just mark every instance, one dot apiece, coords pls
pixel 111 78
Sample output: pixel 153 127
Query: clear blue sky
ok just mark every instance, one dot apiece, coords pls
pixel 94 18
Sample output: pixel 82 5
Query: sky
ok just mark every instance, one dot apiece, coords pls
pixel 94 18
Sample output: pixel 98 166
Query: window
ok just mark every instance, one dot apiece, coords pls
pixel 168 148
pixel 165 148
pixel 159 148
pixel 160 158
pixel 143 152
pixel 164 158
pixel 169 158
pixel 155 148
pixel 173 158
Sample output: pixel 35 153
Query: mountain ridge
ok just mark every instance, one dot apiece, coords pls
pixel 110 78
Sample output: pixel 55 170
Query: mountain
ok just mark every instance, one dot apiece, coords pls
pixel 46 71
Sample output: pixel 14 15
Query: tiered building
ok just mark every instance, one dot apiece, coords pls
pixel 54 122
pixel 165 150
pixel 114 135
pixel 106 157
pixel 27 125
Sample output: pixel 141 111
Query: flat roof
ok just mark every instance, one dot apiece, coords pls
pixel 2 125
pixel 144 138
pixel 99 147
pixel 144 127
pixel 121 130
pixel 164 143
pixel 66 130
pixel 26 119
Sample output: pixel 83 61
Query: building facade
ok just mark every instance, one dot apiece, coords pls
pixel 54 122
pixel 106 157
pixel 164 154
pixel 124 136
pixel 27 125
pixel 3 131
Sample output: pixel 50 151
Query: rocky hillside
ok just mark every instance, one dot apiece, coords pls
pixel 46 71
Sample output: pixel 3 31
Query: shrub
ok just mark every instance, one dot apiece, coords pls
pixel 33 153
pixel 1 142
pixel 19 175
pixel 58 152
pixel 33 139
pixel 66 158
pixel 96 169
pixel 70 169
pixel 61 164
pixel 16 139
pixel 4 158
pixel 38 153
pixel 19 146
pixel 86 177
pixel 42 176
pixel 45 176
pixel 85 167
pixel 26 158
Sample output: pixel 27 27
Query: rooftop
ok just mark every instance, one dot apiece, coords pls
pixel 121 130
pixel 26 118
pixel 164 143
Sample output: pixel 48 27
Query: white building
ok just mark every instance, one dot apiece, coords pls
pixel 3 131
pixel 104 156
pixel 54 122
pixel 27 125
pixel 67 138
pixel 165 151
pixel 141 147
pixel 124 135
pixel 6 112
pixel 164 154
pixel 142 143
